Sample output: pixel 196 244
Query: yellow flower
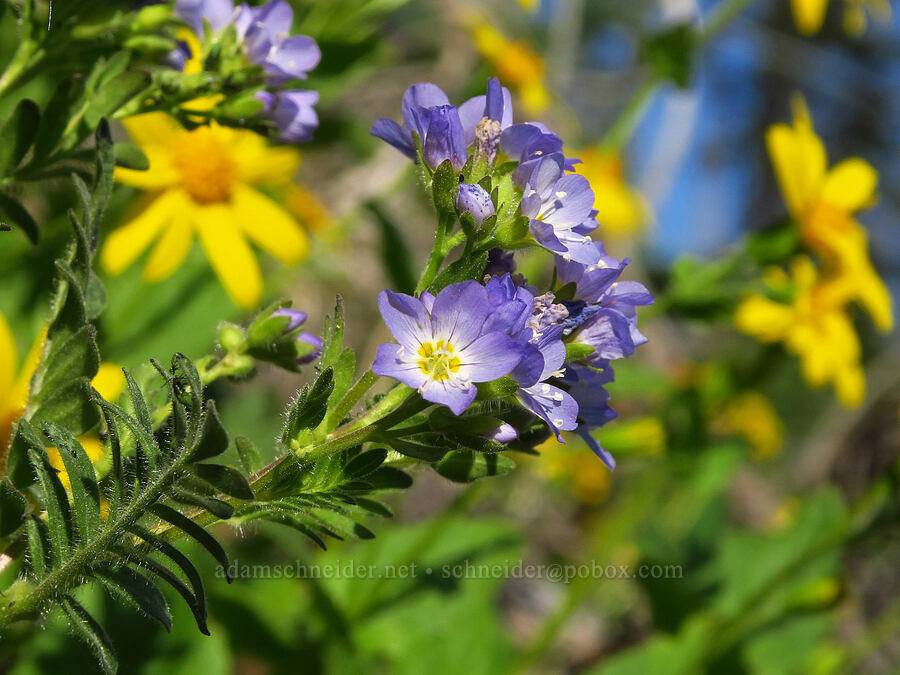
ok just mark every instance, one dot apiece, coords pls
pixel 809 15
pixel 752 416
pixel 204 182
pixel 621 209
pixel 815 328
pixel 823 202
pixel 577 468
pixel 517 65
pixel 308 208
pixel 15 382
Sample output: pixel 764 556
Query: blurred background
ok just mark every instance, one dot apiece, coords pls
pixel 770 509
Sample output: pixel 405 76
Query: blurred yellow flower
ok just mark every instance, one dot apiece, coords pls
pixel 621 209
pixel 809 15
pixel 517 65
pixel 814 327
pixel 15 383
pixel 823 202
pixel 751 416
pixel 307 208
pixel 204 182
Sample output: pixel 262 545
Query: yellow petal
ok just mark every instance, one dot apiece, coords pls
pixel 851 184
pixel 874 296
pixel 152 129
pixel 8 364
pixel 229 254
pixel 171 249
pixel 766 320
pixel 850 386
pixel 23 382
pixel 269 226
pixel 258 163
pixel 125 244
pixel 109 381
pixel 809 15
pixel 161 174
pixel 799 160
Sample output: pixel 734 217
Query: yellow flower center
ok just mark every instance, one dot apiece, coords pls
pixel 438 360
pixel 207 169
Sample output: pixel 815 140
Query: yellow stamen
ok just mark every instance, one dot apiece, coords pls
pixel 207 170
pixel 438 360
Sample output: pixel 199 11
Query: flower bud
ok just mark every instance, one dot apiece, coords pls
pixel 231 337
pixel 151 17
pixel 474 199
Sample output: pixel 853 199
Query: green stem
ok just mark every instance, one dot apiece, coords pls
pixel 438 253
pixel 351 398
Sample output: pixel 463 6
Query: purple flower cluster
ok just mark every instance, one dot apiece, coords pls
pixel 444 130
pixel 264 33
pixel 471 333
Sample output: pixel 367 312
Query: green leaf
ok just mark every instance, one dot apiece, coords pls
pixel 38 547
pixel 465 466
pixel 134 588
pixel 196 532
pixel 60 109
pixel 19 215
pixel 82 478
pixel 87 628
pixel 59 516
pixel 426 447
pixel 333 335
pixel 12 507
pixel 213 437
pixel 444 188
pixel 186 566
pixel 17 134
pixel 309 407
pixel 575 351
pixel 130 156
pixel 114 93
pixel 389 478
pixel 670 53
pixel 142 434
pixel 251 459
pixel 225 479
pixel 566 291
pixel 465 269
pixel 505 386
pixel 365 463
pixel 196 603
pixel 220 509
pixel 73 358
pixel 510 232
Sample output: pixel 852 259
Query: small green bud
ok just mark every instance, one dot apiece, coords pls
pixel 149 44
pixel 238 364
pixel 231 337
pixel 150 18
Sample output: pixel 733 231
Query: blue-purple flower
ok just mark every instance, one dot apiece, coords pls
pixel 297 318
pixel 586 386
pixel 544 354
pixel 267 39
pixel 443 345
pixel 603 312
pixel 218 13
pixel 446 132
pixel 475 200
pixel 561 212
pixel 530 144
pixel 292 113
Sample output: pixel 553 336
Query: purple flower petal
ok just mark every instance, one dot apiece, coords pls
pixel 553 405
pixel 217 12
pixel 459 313
pixel 457 398
pixel 490 357
pixel 313 340
pixel 392 360
pixel 598 450
pixel 422 95
pixel 406 318
pixel 474 199
pixel 393 133
pixel 292 59
pixel 295 317
pixel 505 433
